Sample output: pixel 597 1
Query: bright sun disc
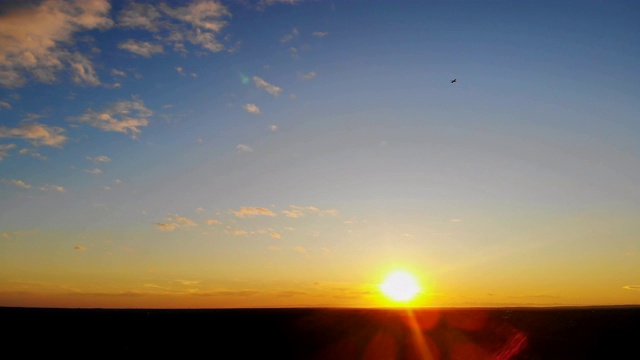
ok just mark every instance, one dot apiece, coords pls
pixel 400 286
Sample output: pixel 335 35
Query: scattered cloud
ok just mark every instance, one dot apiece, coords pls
pixel 300 211
pixel 244 148
pixel 174 221
pixel 632 287
pixel 275 235
pixel 4 104
pixel 248 211
pixel 21 184
pixel 34 39
pixel 116 72
pixel 320 34
pixel 123 116
pixel 235 232
pixel 52 187
pixel 142 48
pixel 197 23
pixel 271 89
pixel 33 153
pixel 94 171
pixel 273 127
pixel 252 109
pixel 79 248
pixel 4 150
pixel 310 75
pixel 99 159
pixel 37 134
pixel 288 37
pixel 262 4
pixel 212 222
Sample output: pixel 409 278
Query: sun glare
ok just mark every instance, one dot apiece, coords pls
pixel 400 286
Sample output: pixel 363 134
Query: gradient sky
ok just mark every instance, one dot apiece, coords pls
pixel 204 154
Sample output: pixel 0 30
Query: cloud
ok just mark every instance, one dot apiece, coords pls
pixel 632 287
pixel 308 76
pixel 33 153
pixel 275 235
pixel 247 211
pixel 235 232
pixel 252 108
pixel 262 4
pixel 300 211
pixel 94 171
pixel 198 23
pixel 244 148
pixel 290 36
pixel 212 222
pixel 142 48
pixel 4 104
pixel 21 184
pixel 116 72
pixel 320 34
pixel 4 150
pixel 123 116
pixel 37 134
pixel 52 187
pixel 79 248
pixel 300 249
pixel 271 89
pixel 273 127
pixel 99 159
pixel 174 221
pixel 33 40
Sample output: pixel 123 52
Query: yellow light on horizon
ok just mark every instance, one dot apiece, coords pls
pixel 400 286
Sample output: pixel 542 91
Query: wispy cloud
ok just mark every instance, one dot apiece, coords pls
pixel 123 116
pixel 4 150
pixel 21 184
pixel 248 211
pixel 288 37
pixel 262 4
pixel 271 89
pixel 57 188
pixel 6 105
pixel 37 134
pixel 252 108
pixel 310 75
pixel 99 159
pixel 142 48
pixel 174 221
pixel 244 148
pixel 34 38
pixel 197 23
pixel 79 248
pixel 300 211
pixel 94 171
pixel 273 127
pixel 212 222
pixel 632 287
pixel 320 34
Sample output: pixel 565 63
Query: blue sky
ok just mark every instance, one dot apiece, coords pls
pixel 279 153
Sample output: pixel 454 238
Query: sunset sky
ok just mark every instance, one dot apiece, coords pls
pixel 277 153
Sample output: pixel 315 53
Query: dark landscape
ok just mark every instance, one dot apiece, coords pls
pixel 321 333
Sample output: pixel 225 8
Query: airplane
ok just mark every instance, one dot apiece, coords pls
pixel 454 80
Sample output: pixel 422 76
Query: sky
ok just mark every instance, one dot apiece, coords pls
pixel 283 153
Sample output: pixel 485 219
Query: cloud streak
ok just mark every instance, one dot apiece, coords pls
pixel 248 211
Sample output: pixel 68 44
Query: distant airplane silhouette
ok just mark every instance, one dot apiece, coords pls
pixel 454 80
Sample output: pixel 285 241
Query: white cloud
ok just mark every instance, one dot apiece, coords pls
pixel 273 127
pixel 99 159
pixel 37 134
pixel 271 89
pixel 244 148
pixel 310 75
pixel 33 40
pixel 143 48
pixel 252 108
pixel 57 188
pixel 126 117
pixel 320 34
pixel 94 171
pixel 288 37
pixel 116 72
pixel 4 104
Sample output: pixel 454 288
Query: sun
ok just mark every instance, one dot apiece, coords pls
pixel 400 286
